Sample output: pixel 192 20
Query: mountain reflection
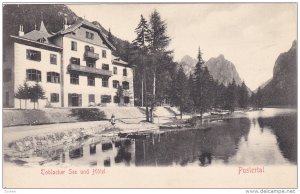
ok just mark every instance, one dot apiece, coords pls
pixel 285 130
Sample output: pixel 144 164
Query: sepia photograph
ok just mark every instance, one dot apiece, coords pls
pixel 149 95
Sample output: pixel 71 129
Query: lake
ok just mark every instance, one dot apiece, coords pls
pixel 267 137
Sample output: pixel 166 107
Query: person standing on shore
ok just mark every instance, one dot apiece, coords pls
pixel 113 120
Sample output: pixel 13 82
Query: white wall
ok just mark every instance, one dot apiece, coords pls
pixel 83 87
pixel 22 63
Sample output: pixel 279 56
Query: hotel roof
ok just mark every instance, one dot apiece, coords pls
pixel 88 24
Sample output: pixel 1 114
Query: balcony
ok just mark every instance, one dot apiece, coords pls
pixel 92 70
pixel 91 55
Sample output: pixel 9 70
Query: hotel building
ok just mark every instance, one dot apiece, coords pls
pixel 74 66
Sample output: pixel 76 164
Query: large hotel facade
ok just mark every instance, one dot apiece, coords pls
pixel 74 66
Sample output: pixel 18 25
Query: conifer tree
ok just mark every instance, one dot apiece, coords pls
pixel 160 61
pixel 140 58
pixel 180 91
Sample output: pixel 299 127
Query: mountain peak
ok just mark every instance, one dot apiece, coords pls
pixel 223 70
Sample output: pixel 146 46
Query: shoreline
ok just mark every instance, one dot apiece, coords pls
pixel 22 141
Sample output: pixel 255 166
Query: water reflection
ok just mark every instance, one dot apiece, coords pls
pixel 262 138
pixel 285 130
pixel 181 148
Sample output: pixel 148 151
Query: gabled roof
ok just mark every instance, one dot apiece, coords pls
pixel 38 34
pixel 88 24
pixel 36 43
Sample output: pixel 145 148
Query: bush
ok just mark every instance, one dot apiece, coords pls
pixel 88 114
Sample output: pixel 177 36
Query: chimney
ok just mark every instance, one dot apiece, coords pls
pixel 21 31
pixel 66 22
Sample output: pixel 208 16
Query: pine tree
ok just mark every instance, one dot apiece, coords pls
pixel 160 61
pixel 198 92
pixel 180 91
pixel 158 39
pixel 139 57
pixel 243 96
pixel 142 31
pixel 259 98
pixel 231 96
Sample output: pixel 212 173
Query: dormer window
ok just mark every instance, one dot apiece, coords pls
pixel 41 40
pixel 89 35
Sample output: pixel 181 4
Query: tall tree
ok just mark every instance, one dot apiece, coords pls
pixel 142 31
pixel 259 98
pixel 140 57
pixel 201 87
pixel 243 96
pixel 180 91
pixel 231 96
pixel 158 41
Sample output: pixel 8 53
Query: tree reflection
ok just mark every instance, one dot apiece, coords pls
pixel 220 141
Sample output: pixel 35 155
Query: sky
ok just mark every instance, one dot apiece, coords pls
pixel 249 35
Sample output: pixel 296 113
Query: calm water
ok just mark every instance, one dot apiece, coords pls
pixel 266 137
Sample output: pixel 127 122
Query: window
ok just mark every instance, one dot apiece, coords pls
pixel 104 82
pixel 125 85
pixel 89 35
pixel 92 49
pixel 91 98
pixel 116 99
pixel 6 75
pixel 41 40
pixel 53 77
pixel 115 70
pixel 126 99
pixel 87 48
pixel 74 46
pixel 91 64
pixel 105 99
pixel 54 97
pixel 115 84
pixel 103 53
pixel 124 72
pixel 53 59
pixel 91 81
pixel 75 61
pixel 74 79
pixel 105 66
pixel 33 55
pixel 33 75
